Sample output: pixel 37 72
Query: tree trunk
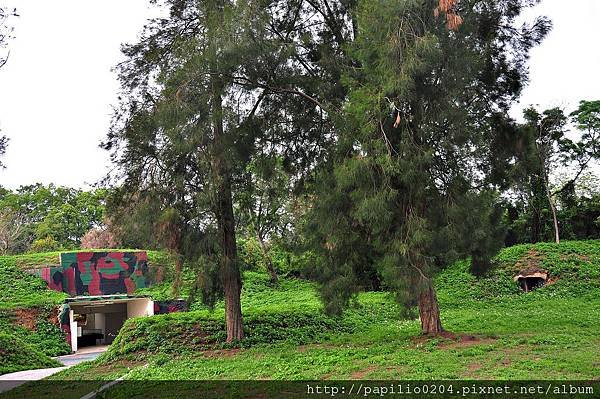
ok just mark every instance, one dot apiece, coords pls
pixel 230 272
pixel 429 311
pixel 178 271
pixel 232 282
pixel 545 172
pixel 554 218
pixel 268 260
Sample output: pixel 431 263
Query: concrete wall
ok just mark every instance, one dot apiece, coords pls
pixel 99 323
pixel 113 323
pixel 73 335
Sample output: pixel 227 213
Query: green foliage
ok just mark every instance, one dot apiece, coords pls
pixel 200 330
pixel 250 255
pixel 57 216
pixel 23 292
pixel 46 244
pixel 292 312
pixel 47 338
pixel 571 265
pixel 545 149
pixel 252 258
pixel 547 333
pixel 214 135
pixel 19 289
pixel 422 148
pixel 15 355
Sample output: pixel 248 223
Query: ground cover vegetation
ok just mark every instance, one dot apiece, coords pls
pixel 498 331
pixel 28 316
pixel 15 355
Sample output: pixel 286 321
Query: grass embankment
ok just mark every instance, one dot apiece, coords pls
pixel 15 355
pixel 27 313
pixel 503 333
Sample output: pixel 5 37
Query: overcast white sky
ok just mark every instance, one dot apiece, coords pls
pixel 57 89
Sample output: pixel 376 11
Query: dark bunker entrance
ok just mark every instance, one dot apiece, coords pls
pixel 531 280
pixel 97 321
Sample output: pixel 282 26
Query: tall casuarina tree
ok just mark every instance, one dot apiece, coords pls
pixel 422 146
pixel 205 90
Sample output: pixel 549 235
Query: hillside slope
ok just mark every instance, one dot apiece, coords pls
pixel 500 331
pixel 27 313
pixel 15 355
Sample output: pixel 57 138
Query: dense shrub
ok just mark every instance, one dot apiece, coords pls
pixel 284 261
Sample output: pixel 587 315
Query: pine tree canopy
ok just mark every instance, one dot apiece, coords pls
pixel 207 91
pixel 424 145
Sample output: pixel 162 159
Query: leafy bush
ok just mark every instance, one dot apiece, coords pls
pixel 15 355
pixel 284 261
pixel 250 255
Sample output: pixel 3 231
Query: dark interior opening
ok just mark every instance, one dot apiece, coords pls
pixel 100 324
pixel 531 283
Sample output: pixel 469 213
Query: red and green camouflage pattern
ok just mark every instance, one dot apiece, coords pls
pixel 63 319
pixel 98 273
pixel 170 306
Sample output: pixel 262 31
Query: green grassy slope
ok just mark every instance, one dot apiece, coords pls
pixel 19 289
pixel 15 355
pixel 26 297
pixel 501 333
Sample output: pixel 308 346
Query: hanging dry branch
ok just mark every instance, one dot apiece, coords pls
pixel 448 7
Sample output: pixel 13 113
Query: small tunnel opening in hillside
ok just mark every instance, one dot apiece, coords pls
pixel 531 280
pixel 95 321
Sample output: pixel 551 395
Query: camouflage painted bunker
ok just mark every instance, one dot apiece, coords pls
pixel 102 288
